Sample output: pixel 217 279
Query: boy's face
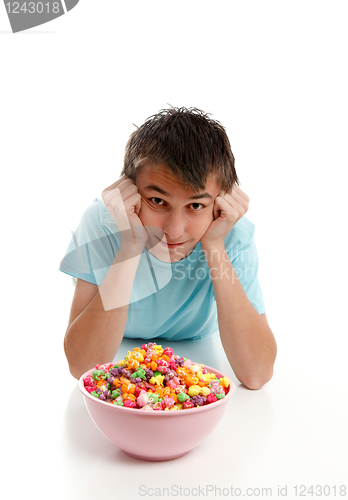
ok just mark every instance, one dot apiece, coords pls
pixel 183 215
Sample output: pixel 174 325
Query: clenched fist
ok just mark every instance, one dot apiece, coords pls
pixel 123 201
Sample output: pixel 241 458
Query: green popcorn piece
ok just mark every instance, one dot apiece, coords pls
pixel 141 373
pixel 182 396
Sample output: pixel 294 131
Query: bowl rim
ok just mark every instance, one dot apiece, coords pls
pixel 208 407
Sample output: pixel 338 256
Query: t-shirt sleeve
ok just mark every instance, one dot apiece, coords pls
pixel 243 256
pixel 90 252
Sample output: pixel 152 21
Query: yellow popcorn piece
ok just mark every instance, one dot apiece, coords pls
pixel 138 356
pixel 157 380
pixel 205 391
pixel 208 377
pixel 194 390
pixel 225 381
pixel 123 362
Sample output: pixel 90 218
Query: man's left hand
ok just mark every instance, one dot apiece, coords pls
pixel 228 209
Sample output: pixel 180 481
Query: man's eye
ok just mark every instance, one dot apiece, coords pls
pixel 157 201
pixel 197 206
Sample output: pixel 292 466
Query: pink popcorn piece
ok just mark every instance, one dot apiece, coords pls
pixel 162 366
pixel 171 384
pixel 187 363
pixel 142 399
pixel 88 381
pixel 168 351
pixel 130 404
pixel 211 398
pixel 187 404
pixel 168 402
pixel 172 364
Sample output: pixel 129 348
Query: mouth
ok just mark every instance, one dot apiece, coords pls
pixel 172 245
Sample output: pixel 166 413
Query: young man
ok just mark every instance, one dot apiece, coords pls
pixel 168 254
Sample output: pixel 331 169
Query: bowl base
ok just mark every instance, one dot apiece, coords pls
pixel 154 459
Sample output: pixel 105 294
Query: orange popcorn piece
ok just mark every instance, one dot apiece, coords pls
pixel 129 396
pixel 133 365
pixel 174 396
pixel 153 366
pixel 181 372
pixel 124 388
pixel 131 388
pixel 189 380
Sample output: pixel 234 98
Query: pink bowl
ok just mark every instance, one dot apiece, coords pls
pixel 155 435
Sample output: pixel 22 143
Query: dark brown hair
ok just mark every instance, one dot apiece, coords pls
pixel 190 143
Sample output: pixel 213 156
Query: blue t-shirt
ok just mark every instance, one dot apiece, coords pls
pixel 172 301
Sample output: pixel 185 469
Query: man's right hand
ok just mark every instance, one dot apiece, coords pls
pixel 123 201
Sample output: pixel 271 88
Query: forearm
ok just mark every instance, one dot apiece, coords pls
pixel 248 341
pixel 95 335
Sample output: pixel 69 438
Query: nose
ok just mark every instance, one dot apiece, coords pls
pixel 174 226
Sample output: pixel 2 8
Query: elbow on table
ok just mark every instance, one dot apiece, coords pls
pixel 255 383
pixel 75 371
pixel 256 379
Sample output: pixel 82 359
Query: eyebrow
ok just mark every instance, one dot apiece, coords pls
pixel 162 191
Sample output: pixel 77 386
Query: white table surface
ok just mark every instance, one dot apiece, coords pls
pixel 290 433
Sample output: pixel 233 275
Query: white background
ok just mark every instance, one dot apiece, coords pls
pixel 275 75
